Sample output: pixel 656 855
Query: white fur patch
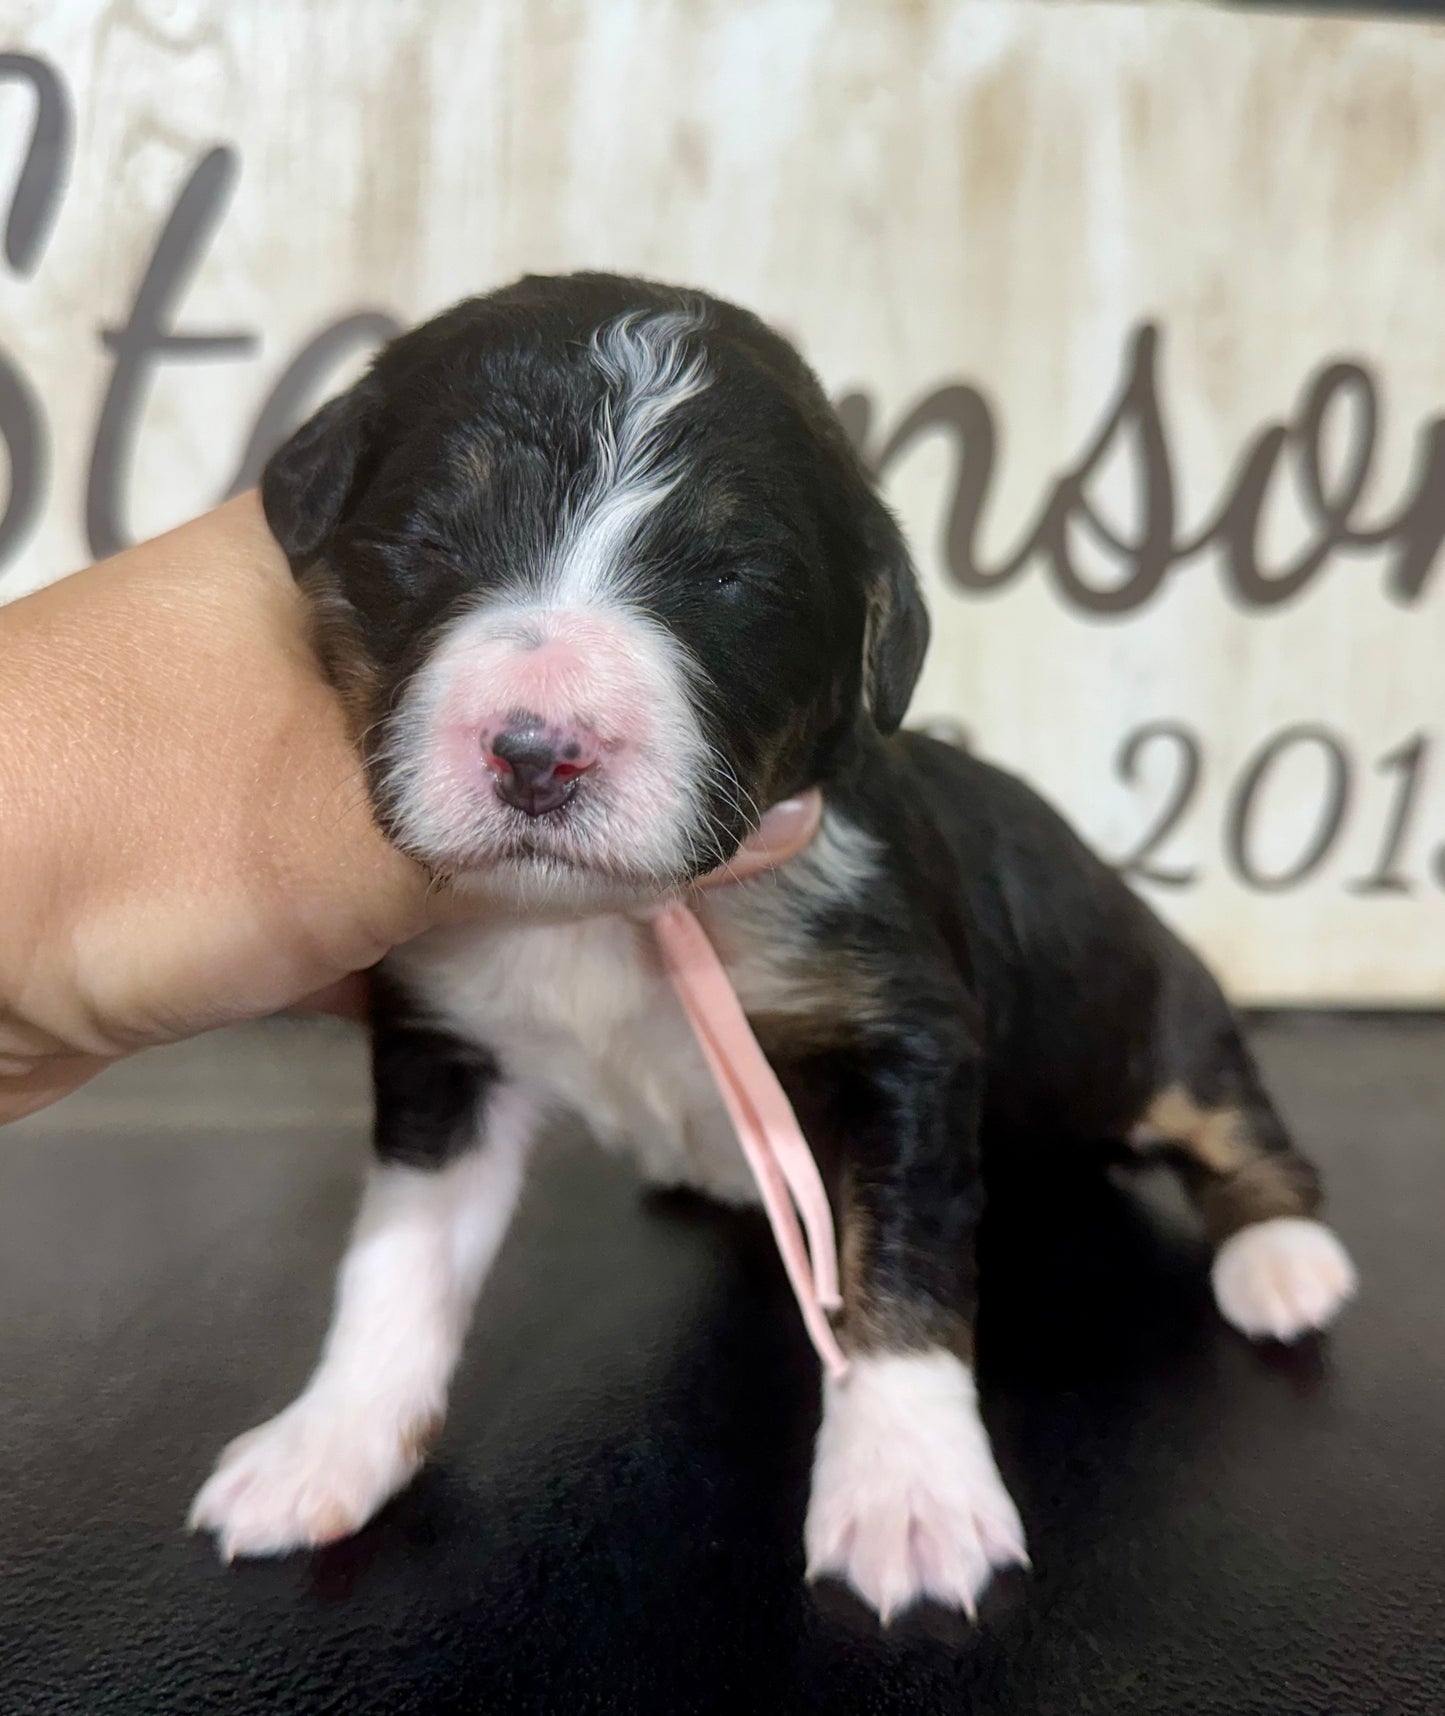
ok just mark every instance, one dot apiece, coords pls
pixel 625 678
pixel 1280 1279
pixel 650 374
pixel 579 1013
pixel 907 1501
pixel 422 1244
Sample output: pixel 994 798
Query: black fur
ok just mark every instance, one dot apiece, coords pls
pixel 429 1084
pixel 1027 992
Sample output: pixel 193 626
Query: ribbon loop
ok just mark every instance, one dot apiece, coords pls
pixel 768 1130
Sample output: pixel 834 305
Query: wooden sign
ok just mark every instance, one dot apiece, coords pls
pixel 1136 309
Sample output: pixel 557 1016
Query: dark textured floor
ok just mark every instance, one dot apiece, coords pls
pixel 612 1519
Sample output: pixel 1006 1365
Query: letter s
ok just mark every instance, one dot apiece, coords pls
pixel 32 212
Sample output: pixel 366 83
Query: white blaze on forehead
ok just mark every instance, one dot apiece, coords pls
pixel 650 373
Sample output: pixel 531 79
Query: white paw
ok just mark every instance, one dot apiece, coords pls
pixel 907 1501
pixel 313 1474
pixel 1282 1278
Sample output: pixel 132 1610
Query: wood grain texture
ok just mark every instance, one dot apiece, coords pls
pixel 923 194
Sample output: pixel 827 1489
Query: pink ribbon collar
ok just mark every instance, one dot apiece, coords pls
pixel 768 1130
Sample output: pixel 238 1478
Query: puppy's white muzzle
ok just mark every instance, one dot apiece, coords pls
pixel 561 737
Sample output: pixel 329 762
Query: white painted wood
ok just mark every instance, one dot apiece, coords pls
pixel 994 194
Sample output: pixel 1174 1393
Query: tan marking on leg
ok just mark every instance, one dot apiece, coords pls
pixel 1260 1190
pixel 1234 1176
pixel 1217 1138
pixel 874 1322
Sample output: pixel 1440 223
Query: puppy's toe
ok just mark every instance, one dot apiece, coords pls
pixel 1279 1279
pixel 907 1501
pixel 313 1474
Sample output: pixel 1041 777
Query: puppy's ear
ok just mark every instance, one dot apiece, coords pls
pixel 306 482
pixel 897 630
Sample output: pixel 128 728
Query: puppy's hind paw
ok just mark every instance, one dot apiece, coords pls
pixel 907 1502
pixel 1280 1279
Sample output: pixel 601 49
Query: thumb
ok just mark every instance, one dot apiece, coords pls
pixel 785 831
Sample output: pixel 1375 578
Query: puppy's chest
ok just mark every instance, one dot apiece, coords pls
pixel 583 1015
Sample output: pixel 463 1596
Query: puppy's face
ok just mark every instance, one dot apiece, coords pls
pixel 600 579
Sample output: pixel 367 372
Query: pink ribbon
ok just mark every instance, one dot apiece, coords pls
pixel 768 1130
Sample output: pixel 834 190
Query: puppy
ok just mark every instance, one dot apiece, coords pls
pixel 599 576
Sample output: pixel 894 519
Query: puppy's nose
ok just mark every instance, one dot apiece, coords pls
pixel 536 768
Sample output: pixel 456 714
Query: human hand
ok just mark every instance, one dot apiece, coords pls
pixel 188 839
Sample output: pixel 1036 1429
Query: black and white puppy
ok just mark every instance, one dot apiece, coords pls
pixel 599 575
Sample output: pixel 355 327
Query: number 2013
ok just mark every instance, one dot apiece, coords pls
pixel 1403 767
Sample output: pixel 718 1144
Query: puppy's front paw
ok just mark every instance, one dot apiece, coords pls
pixel 313 1474
pixel 907 1501
pixel 1282 1278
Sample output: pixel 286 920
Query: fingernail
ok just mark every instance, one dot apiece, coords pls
pixel 789 818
